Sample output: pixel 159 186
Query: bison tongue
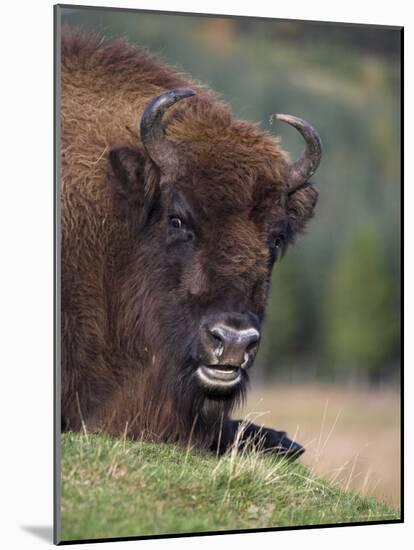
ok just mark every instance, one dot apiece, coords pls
pixel 222 372
pixel 224 368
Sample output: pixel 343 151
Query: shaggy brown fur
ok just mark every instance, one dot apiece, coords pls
pixel 130 302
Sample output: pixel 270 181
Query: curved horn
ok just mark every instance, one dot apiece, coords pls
pixel 302 170
pixel 151 128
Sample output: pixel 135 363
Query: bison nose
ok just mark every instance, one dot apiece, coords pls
pixel 235 347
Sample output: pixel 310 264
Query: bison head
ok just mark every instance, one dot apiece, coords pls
pixel 211 204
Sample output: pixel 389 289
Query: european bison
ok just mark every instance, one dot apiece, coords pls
pixel 169 235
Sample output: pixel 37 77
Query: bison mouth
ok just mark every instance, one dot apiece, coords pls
pixel 218 377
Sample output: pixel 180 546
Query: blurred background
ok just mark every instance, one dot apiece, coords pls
pixel 329 366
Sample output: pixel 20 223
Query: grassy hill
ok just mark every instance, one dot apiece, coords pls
pixel 119 488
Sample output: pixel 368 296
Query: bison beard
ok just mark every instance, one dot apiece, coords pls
pixel 169 236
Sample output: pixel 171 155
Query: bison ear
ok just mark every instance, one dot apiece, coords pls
pixel 301 206
pixel 135 189
pixel 126 167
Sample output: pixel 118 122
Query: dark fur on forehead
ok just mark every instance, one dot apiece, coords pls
pixel 229 165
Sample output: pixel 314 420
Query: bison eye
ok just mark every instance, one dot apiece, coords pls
pixel 175 222
pixel 178 230
pixel 278 243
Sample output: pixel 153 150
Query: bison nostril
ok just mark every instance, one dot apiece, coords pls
pixel 218 350
pixel 252 345
pixel 217 343
pixel 216 339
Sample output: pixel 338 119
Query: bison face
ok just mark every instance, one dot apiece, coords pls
pixel 218 256
pixel 199 274
pixel 208 218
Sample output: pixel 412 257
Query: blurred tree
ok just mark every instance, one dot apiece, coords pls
pixel 361 325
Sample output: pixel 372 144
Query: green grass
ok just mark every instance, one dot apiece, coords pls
pixel 119 488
